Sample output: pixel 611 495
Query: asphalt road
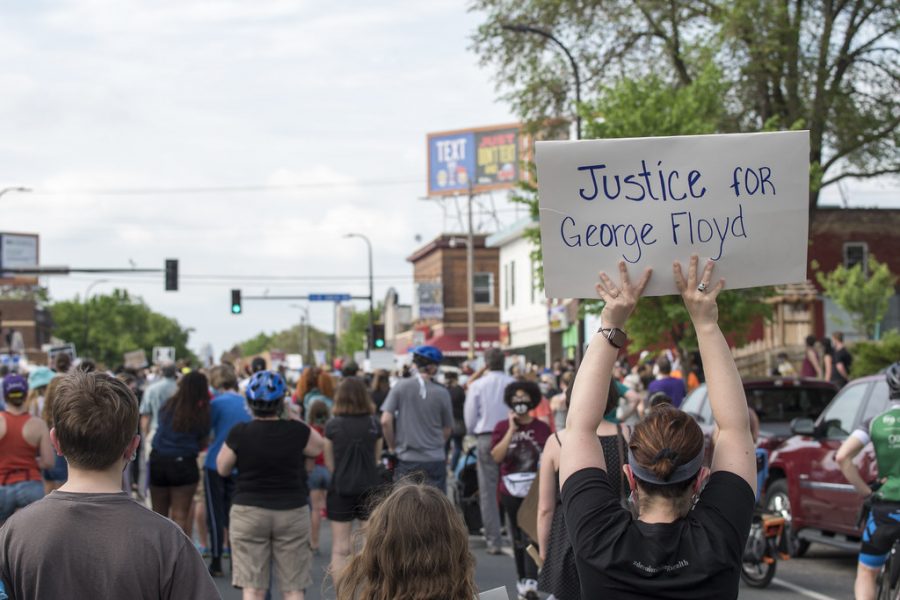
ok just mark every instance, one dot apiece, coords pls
pixel 823 574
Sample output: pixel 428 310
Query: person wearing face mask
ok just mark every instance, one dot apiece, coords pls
pixel 417 418
pixel 516 445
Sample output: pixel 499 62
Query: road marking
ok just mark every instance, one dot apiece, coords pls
pixel 801 590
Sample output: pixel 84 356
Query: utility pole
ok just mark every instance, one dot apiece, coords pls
pixel 470 276
pixel 371 333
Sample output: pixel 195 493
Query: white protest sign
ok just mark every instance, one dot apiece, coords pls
pixel 163 354
pixel 739 199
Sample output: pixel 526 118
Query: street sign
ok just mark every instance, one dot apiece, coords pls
pixel 329 297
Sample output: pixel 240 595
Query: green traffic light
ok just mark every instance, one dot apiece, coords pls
pixel 379 343
pixel 236 309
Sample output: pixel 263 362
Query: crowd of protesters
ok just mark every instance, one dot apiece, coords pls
pixel 574 467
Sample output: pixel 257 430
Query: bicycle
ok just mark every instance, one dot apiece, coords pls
pixel 889 576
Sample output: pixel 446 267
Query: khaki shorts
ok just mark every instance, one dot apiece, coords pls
pixel 260 533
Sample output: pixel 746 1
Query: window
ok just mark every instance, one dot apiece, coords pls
pixel 856 253
pixel 878 401
pixel 512 283
pixel 839 419
pixel 782 404
pixel 483 288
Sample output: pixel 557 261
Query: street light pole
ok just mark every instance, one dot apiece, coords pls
pixel 579 324
pixel 371 291
pixel 575 70
pixel 87 308
pixel 304 330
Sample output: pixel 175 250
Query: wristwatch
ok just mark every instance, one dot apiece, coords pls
pixel 615 336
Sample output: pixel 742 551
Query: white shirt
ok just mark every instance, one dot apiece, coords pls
pixel 484 406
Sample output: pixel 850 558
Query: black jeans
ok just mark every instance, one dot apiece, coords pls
pixel 219 491
pixel 525 567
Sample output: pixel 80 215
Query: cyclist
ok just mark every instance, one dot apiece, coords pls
pixel 883 523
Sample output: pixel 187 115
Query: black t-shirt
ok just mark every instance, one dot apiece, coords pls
pixel 840 356
pixel 270 463
pixel 696 557
pixel 342 430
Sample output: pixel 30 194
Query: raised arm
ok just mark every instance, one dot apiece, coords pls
pixel 734 450
pixel 590 389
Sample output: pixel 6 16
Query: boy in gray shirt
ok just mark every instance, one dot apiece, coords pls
pixel 89 539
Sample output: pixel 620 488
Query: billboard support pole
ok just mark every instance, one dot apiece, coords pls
pixel 470 276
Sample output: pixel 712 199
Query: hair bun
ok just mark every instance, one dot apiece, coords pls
pixel 666 454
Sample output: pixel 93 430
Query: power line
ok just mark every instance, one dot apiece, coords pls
pixel 144 191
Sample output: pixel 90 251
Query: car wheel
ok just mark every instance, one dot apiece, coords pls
pixel 778 502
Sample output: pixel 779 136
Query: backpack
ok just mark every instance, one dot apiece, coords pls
pixel 355 473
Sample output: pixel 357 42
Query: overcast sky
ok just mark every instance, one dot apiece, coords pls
pixel 101 97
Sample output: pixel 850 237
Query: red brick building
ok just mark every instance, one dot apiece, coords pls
pixel 440 312
pixel 849 236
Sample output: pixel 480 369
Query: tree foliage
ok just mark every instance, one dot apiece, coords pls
pixel 290 340
pixel 864 295
pixel 830 67
pixel 107 326
pixel 871 357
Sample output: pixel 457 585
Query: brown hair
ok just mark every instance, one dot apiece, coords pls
pixel 381 379
pixel 425 558
pixel 223 377
pixel 666 439
pixel 315 378
pixel 352 398
pixel 49 399
pixel 96 417
pixel 189 405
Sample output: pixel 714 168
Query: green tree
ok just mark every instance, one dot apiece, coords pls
pixel 354 339
pixel 107 326
pixel 864 295
pixel 290 340
pixel 830 67
pixel 873 356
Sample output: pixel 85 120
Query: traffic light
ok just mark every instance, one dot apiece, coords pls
pixel 236 302
pixel 171 274
pixel 378 336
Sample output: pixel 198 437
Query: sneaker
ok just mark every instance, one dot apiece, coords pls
pixel 226 552
pixel 494 550
pixel 527 589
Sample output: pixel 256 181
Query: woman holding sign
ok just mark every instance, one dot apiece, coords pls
pixel 680 543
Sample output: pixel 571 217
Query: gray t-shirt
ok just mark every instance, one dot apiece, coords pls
pixel 99 546
pixel 419 422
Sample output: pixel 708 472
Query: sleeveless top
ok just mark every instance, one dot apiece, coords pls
pixel 559 575
pixel 17 456
pixel 807 369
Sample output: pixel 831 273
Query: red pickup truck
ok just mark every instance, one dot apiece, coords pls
pixel 806 485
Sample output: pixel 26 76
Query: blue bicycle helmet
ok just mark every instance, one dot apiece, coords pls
pixel 265 388
pixel 429 353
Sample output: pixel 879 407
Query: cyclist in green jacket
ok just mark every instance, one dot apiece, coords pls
pixel 883 523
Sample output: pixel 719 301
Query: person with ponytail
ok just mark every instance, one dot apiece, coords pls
pixel 680 539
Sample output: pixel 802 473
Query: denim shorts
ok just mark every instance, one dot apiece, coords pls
pixel 19 495
pixel 319 478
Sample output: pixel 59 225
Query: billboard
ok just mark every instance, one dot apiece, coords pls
pixel 18 251
pixel 483 159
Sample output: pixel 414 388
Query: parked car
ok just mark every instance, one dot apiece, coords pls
pixel 805 484
pixel 776 400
